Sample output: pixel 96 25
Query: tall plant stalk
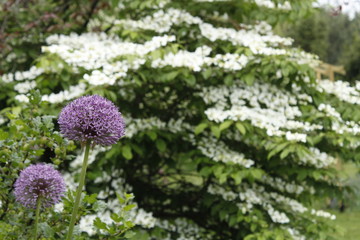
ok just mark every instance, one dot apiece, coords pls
pixel 78 192
pixel 37 216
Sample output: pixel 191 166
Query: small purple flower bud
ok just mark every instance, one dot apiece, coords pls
pixel 92 118
pixel 39 180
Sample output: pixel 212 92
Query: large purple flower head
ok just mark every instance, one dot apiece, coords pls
pixel 92 118
pixel 39 180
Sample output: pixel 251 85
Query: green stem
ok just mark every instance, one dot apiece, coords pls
pixel 38 206
pixel 78 192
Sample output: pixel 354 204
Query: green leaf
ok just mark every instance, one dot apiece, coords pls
pixel 241 128
pixel 200 128
pixel 256 173
pixel 47 230
pixel 229 80
pixel 218 170
pixel 129 234
pixel 216 131
pixel 90 199
pixel 126 152
pixel 225 125
pixel 223 178
pixel 190 79
pixel 99 224
pixel 3 135
pixel 277 149
pixel 316 175
pixel 161 145
pixel 129 196
pixel 116 218
pixel 285 153
pixel 169 76
pixel 249 78
pixel 152 135
pixel 121 200
pixel 205 171
pixel 129 207
pixel 207 73
pixel 237 177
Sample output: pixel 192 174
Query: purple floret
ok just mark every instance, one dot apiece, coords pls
pixel 92 118
pixel 39 180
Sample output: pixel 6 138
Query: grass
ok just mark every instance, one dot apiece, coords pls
pixel 349 221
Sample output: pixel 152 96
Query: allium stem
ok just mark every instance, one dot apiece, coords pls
pixel 78 192
pixel 37 216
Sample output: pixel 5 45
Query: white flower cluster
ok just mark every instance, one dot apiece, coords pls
pixel 218 151
pixel 163 21
pixel 96 50
pixel 295 234
pixel 133 126
pixel 25 87
pixel 198 59
pixel 185 229
pixel 270 4
pixel 71 93
pixel 280 199
pixel 283 186
pixel 2 120
pixel 226 195
pixel 276 216
pixel 244 102
pixel 321 213
pixel 31 74
pixel 193 60
pixel 341 90
pixel 339 125
pixel 318 159
pixel 251 197
pixel 330 111
pixel 258 195
pixel 144 219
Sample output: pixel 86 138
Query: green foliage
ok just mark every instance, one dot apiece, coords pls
pixel 201 178
pixel 27 138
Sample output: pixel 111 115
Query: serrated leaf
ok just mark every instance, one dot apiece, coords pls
pixel 99 224
pixel 116 217
pixel 90 198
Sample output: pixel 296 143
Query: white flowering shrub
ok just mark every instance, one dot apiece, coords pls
pixel 229 135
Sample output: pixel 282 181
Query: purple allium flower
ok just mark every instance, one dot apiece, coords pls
pixel 39 180
pixel 92 118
